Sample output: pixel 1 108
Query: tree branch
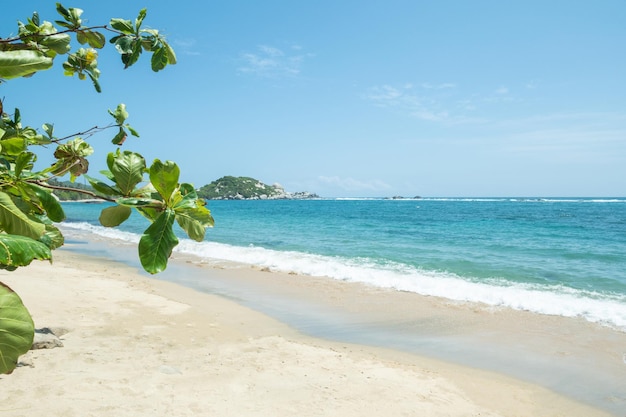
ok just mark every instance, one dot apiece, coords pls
pixel 78 190
pixel 19 38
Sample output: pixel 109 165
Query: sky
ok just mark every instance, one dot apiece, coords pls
pixel 360 98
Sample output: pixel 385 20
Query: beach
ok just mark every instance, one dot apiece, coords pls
pixel 143 346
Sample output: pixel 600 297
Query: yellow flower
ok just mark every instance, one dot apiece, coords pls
pixel 90 56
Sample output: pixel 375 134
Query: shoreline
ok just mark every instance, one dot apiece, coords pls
pixel 190 351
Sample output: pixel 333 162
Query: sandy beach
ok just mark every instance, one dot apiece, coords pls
pixel 141 346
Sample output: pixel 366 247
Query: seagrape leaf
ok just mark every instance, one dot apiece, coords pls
pixel 16 329
pixel 164 177
pixel 157 243
pixel 14 221
pixel 20 63
pixel 114 216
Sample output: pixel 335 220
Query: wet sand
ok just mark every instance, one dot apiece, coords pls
pixel 215 339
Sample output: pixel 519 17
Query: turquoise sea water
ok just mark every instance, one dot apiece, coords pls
pixel 561 256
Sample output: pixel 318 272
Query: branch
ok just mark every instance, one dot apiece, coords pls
pixel 89 132
pixel 78 190
pixel 19 38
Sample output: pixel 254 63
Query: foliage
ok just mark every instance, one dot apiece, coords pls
pixel 16 329
pixel 28 209
pixel 230 187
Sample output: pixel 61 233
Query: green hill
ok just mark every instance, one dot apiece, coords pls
pixel 246 188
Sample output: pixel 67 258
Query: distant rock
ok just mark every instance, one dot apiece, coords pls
pixel 246 188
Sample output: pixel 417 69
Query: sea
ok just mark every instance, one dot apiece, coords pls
pixel 554 256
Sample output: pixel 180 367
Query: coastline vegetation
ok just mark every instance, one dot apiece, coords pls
pixel 28 209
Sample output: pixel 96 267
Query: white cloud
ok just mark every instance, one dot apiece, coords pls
pixel 185 47
pixel 269 61
pixel 442 86
pixel 407 100
pixel 502 90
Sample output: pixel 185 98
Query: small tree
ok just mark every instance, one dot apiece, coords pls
pixel 28 210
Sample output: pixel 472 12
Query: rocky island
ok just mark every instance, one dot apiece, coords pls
pixel 246 188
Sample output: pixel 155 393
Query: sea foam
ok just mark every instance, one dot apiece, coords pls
pixel 606 309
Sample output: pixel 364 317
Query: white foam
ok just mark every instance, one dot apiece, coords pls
pixel 609 309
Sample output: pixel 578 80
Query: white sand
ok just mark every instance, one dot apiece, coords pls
pixel 143 347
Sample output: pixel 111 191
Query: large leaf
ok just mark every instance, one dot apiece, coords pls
pixel 49 202
pixel 20 63
pixel 140 202
pixel 13 146
pixel 195 222
pixel 16 329
pixel 53 238
pixel 164 177
pixel 102 187
pixel 13 221
pixel 127 169
pixel 16 251
pixel 114 216
pixel 186 198
pixel 157 243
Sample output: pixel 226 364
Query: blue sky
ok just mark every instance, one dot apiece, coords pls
pixel 362 98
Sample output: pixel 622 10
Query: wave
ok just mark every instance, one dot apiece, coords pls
pixel 528 199
pixel 604 308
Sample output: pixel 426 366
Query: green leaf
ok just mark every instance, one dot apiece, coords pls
pixel 171 55
pixel 132 130
pixel 16 329
pixel 49 129
pixel 123 25
pixel 132 57
pixel 159 59
pixel 101 187
pixel 195 222
pixel 49 202
pixel 21 63
pixel 127 169
pixel 53 238
pixel 157 243
pixel 65 14
pixel 94 80
pixel 94 39
pixel 13 146
pixel 119 138
pixel 139 20
pixel 120 114
pixel 16 251
pixel 123 44
pixel 185 198
pixel 24 161
pixel 59 43
pixel 164 177
pixel 114 216
pixel 14 221
pixel 140 202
